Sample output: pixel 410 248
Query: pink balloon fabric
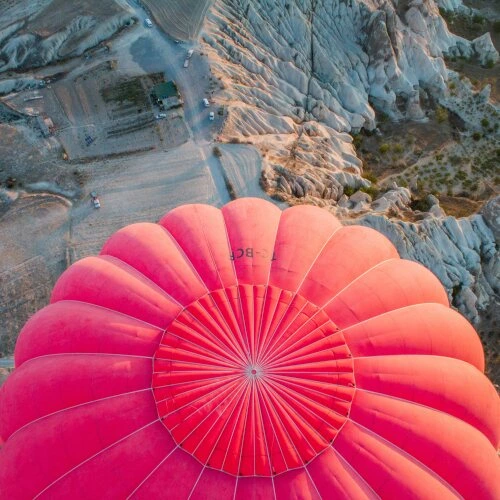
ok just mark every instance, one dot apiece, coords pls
pixel 248 353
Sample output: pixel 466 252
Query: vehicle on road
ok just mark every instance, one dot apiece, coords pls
pixel 186 63
pixel 95 200
pixel 211 116
pixel 189 54
pixel 148 23
pixel 160 116
pixel 206 103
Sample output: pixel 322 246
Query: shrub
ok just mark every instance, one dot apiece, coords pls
pixel 485 122
pixel 384 148
pixel 441 114
pixel 371 190
pixel 357 139
pixel 217 152
pixel 397 148
pixel 349 191
pixel 384 117
pixel 476 136
pixel 489 64
pixel 368 174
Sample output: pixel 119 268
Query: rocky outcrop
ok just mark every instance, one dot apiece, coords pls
pixel 484 49
pixel 21 50
pixel 397 198
pixel 297 76
pixel 462 253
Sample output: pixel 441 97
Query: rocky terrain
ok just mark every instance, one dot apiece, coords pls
pixel 353 108
pixel 43 32
pixel 299 77
pixel 463 253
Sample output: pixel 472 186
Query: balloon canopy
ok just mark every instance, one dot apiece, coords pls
pixel 248 353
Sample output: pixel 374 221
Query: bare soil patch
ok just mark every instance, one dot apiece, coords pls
pixel 459 206
pixel 400 145
pixel 33 250
pixel 181 19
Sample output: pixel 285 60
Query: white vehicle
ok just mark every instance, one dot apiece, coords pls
pixel 148 22
pixel 189 53
pixel 159 116
pixel 186 63
pixel 211 116
pixel 96 203
pixel 206 103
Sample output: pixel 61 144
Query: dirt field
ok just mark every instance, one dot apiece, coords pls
pixel 33 250
pixel 42 234
pixel 242 166
pixel 181 19
pixel 102 113
pixel 141 188
pixel 406 143
pixel 36 164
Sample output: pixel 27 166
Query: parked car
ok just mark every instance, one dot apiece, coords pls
pixel 190 52
pixel 211 116
pixel 206 103
pixel 95 200
pixel 186 63
pixel 148 22
pixel 159 116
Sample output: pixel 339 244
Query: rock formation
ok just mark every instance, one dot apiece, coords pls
pixel 463 254
pixel 22 47
pixel 298 76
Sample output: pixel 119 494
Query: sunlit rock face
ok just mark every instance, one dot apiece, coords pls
pixel 462 253
pixel 300 75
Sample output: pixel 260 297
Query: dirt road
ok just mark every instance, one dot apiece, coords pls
pixel 152 51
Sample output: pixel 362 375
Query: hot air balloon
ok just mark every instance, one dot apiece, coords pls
pixel 248 352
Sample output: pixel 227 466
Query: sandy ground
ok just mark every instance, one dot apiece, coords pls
pixel 181 19
pixel 33 254
pixel 242 167
pixel 140 188
pixel 55 234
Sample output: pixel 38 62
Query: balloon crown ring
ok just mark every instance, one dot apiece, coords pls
pixel 246 396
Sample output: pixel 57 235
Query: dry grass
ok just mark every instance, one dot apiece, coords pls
pixel 459 206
